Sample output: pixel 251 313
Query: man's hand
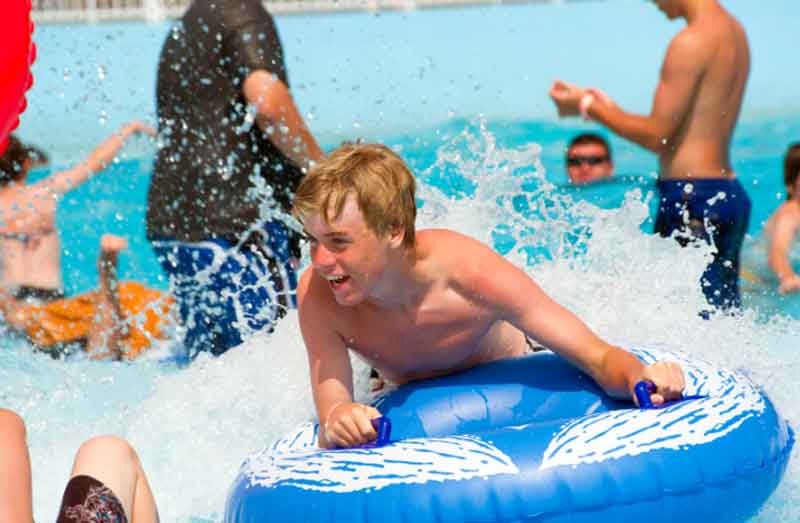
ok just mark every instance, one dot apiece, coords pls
pixel 668 378
pixel 789 284
pixel 567 98
pixel 349 425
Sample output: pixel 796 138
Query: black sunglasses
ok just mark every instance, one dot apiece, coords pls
pixel 575 161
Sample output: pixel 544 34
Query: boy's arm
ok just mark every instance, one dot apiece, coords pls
pixel 343 423
pixel 680 75
pixel 783 234
pixel 519 300
pixel 62 182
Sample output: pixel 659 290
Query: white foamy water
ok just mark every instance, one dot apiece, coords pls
pixel 193 427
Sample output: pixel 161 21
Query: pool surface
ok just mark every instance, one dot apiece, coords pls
pixel 461 95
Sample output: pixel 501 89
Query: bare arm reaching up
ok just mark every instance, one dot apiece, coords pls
pixel 98 159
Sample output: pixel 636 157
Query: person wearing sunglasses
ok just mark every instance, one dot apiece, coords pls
pixel 694 113
pixel 589 159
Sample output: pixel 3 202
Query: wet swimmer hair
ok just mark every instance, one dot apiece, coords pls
pixel 791 168
pixel 590 139
pixel 379 179
pixel 12 162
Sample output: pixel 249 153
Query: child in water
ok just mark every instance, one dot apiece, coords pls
pixel 784 224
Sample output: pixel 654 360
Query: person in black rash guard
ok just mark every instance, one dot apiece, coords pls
pixel 233 148
pixel 107 483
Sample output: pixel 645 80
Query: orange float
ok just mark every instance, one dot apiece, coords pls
pixel 17 53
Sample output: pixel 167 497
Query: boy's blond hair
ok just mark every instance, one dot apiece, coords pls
pixel 381 182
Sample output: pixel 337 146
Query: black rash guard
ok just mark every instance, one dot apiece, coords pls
pixel 202 184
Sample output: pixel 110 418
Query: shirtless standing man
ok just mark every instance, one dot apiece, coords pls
pixel 689 127
pixel 418 304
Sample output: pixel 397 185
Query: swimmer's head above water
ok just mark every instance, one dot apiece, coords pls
pixel 588 159
pixel 17 160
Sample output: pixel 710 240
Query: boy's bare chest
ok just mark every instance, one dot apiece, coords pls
pixel 410 343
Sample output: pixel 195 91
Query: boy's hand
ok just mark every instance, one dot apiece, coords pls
pixel 349 425
pixel 668 378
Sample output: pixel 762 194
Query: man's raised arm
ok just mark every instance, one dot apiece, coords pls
pixel 680 74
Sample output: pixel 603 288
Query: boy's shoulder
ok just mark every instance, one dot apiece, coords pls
pixel 444 240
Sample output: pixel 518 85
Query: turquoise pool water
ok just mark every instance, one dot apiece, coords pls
pixel 460 93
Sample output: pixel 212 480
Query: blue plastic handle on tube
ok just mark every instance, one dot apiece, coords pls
pixel 644 388
pixel 383 426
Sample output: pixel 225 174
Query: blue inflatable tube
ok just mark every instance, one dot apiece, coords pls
pixel 532 440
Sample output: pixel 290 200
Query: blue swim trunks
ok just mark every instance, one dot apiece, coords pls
pixel 716 211
pixel 226 291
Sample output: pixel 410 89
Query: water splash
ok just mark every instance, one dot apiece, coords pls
pixel 194 426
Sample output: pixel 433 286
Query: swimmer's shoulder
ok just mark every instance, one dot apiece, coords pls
pixel 788 211
pixel 442 241
pixel 461 259
pixel 695 43
pixel 785 217
pixel 314 297
pixel 789 214
pixel 447 244
pixel 309 287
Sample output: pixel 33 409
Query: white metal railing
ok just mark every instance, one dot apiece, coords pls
pixel 154 10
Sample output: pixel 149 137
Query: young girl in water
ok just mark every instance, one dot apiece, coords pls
pixel 784 224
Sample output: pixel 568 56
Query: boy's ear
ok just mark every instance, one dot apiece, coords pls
pixel 396 235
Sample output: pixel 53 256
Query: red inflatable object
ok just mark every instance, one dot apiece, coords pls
pixel 17 53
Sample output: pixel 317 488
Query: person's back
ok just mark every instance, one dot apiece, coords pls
pixel 212 148
pixel 700 145
pixel 30 248
pixel 29 242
